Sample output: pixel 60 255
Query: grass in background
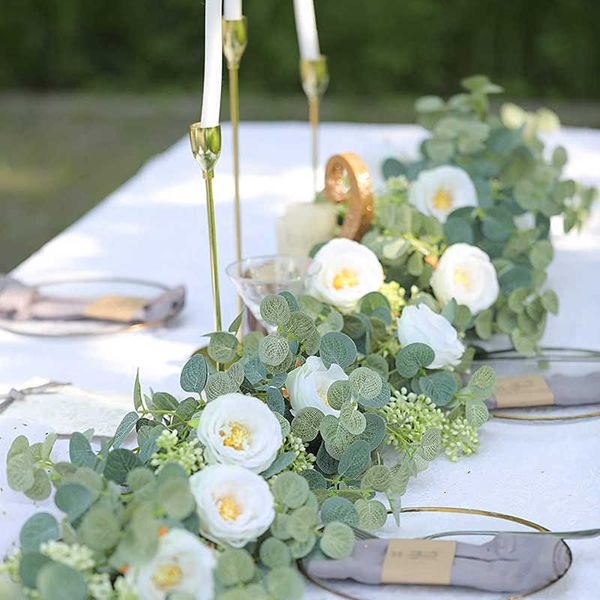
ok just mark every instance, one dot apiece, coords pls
pixel 60 154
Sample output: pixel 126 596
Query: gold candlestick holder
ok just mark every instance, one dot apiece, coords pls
pixel 206 148
pixel 315 79
pixel 235 39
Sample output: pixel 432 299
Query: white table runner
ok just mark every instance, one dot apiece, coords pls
pixel 154 227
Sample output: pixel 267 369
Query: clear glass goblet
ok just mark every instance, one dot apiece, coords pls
pixel 258 276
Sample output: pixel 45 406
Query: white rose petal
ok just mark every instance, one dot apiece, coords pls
pixel 182 564
pixel 307 385
pixel 421 324
pixel 466 274
pixel 342 272
pixel 240 430
pixel 235 505
pixel 437 192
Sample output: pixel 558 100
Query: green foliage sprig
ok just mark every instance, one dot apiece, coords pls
pixel 506 160
pixel 328 476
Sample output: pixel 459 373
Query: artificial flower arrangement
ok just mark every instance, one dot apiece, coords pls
pixel 276 453
pixel 469 221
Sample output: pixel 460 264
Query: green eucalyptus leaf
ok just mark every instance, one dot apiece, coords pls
pixel 29 566
pixel 119 463
pixel 100 528
pixel 235 566
pixel 339 509
pixel 273 349
pixel 439 386
pixel 274 553
pixel 194 374
pixel 365 383
pixel 39 528
pixel 306 423
pixel 337 541
pixel 337 348
pixel 374 432
pixel 372 514
pixel 73 499
pixel 57 581
pixel 283 461
pixel 222 347
pixel 274 309
pixel 376 478
pixel 412 358
pixel 355 460
pixel 338 393
pixel 430 444
pixel 476 412
pixel 290 489
pixel 80 451
pixel 284 583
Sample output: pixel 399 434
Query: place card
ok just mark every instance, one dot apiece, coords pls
pixel 423 562
pixel 116 308
pixel 525 390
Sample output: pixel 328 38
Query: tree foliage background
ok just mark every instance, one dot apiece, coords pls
pixel 541 48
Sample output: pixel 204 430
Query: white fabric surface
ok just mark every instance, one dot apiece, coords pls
pixel 154 227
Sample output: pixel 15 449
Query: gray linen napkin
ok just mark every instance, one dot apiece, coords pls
pixel 568 390
pixel 507 563
pixel 20 302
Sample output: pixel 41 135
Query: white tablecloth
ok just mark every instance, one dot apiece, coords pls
pixel 154 227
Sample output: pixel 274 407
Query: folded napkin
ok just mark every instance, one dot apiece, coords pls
pixel 546 390
pixel 507 563
pixel 20 302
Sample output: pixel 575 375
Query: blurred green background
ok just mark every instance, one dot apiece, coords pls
pixel 89 90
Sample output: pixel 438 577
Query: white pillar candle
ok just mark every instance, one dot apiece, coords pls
pixel 233 10
pixel 213 64
pixel 306 26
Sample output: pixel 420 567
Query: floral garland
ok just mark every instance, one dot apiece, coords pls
pixel 469 222
pixel 273 457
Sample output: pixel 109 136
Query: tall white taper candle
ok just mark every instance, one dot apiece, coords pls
pixel 213 64
pixel 232 10
pixel 306 26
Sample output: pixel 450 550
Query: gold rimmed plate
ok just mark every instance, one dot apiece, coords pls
pixel 424 521
pixel 92 291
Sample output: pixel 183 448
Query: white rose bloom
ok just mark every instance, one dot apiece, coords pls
pixel 240 430
pixel 437 192
pixel 343 271
pixel 234 504
pixel 421 324
pixel 182 564
pixel 307 385
pixel 466 274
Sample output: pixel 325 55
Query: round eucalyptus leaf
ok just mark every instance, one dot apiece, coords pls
pixel 339 509
pixel 73 499
pixel 57 581
pixel 222 347
pixel 337 348
pixel 290 489
pixel 274 553
pixel 273 349
pixel 39 528
pixel 337 541
pixel 412 358
pixel 352 420
pixel 274 309
pixel 306 423
pixel 355 460
pixel 439 386
pixel 284 583
pixel 372 514
pixel 366 384
pixel 338 393
pixel 235 566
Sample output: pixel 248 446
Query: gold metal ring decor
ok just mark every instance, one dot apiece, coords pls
pixel 348 181
pixel 465 511
pixel 554 418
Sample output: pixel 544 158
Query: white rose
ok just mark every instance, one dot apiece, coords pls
pixel 235 505
pixel 437 192
pixel 342 272
pixel 466 274
pixel 307 385
pixel 182 564
pixel 421 324
pixel 240 430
